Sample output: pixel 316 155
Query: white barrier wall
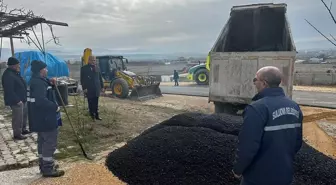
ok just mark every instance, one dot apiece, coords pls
pixel 315 79
pixel 304 74
pixel 314 68
pixel 315 74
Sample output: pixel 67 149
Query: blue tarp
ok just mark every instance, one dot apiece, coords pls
pixel 56 67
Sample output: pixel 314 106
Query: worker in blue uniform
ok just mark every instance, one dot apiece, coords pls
pixel 176 78
pixel 44 117
pixel 271 134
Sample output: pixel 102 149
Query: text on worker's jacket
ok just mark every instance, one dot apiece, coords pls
pixel 285 111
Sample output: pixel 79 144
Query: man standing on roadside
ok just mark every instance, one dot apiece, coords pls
pixel 271 134
pixel 176 78
pixel 15 96
pixel 92 84
pixel 43 118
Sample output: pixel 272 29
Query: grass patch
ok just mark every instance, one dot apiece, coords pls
pixel 117 125
pixel 122 121
pixel 89 132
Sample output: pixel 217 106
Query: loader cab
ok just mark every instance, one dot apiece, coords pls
pixel 108 65
pixel 125 61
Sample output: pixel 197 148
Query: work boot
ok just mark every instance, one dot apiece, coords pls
pixel 97 117
pixel 40 166
pixel 56 166
pixel 25 132
pixel 53 173
pixel 20 137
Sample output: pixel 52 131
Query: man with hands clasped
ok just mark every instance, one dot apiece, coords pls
pixel 92 84
pixel 15 96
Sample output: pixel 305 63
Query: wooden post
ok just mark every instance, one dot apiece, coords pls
pixel 12 45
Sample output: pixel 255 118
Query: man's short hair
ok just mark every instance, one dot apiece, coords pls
pixel 272 76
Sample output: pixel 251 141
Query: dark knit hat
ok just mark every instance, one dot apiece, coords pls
pixel 12 61
pixel 37 65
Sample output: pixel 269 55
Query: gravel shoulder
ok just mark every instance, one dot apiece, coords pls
pixel 83 173
pixel 330 89
pixel 316 137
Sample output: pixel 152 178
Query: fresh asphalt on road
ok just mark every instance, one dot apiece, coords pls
pixel 318 99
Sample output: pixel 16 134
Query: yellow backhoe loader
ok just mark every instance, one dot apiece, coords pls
pixel 120 81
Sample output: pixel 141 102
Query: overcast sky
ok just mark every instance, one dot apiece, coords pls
pixel 164 26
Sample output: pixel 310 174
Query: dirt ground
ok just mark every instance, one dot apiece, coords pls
pixel 330 89
pixel 83 173
pixel 134 117
pixel 122 120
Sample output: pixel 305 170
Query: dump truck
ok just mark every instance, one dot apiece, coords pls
pixel 123 83
pixel 254 36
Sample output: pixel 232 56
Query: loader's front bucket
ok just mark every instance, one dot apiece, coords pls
pixel 146 92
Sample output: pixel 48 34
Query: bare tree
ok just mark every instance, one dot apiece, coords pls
pixel 16 18
pixel 332 40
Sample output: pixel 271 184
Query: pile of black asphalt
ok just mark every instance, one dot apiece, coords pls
pixel 223 123
pixel 313 167
pixel 196 148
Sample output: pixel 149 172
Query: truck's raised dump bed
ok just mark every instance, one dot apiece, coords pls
pixel 254 36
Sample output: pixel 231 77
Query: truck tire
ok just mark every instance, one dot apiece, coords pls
pixel 120 88
pixel 225 108
pixel 202 77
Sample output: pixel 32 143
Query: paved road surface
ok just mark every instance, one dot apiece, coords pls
pixel 302 97
pixel 140 70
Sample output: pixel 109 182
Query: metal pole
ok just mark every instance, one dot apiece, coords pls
pixel 43 47
pixel 1 48
pixel 38 41
pixel 29 38
pixel 42 37
pixel 12 45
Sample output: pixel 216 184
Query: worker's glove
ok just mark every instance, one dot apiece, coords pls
pixel 58 109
